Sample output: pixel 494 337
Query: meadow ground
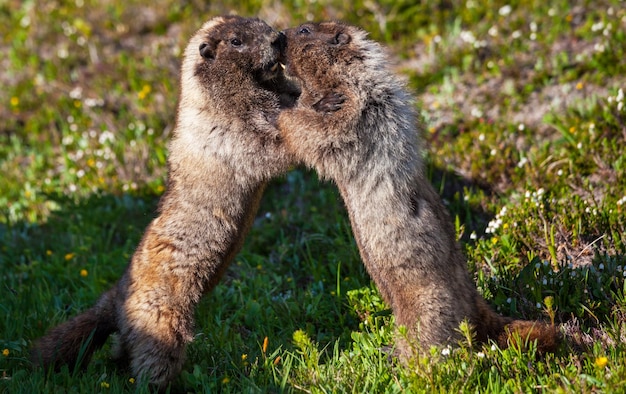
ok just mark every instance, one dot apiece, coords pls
pixel 525 119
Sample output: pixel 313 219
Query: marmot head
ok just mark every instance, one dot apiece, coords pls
pixel 229 54
pixel 248 43
pixel 320 51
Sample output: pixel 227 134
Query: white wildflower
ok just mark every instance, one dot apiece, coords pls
pixel 76 93
pixel 106 136
pixel 597 26
pixel 505 10
pixel 25 21
pixel 468 37
pixel 477 113
pixel 522 162
pixel 62 53
pixel 480 44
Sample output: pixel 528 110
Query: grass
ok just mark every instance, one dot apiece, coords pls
pixel 526 127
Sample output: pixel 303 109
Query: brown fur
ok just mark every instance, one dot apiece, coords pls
pixel 355 123
pixel 223 152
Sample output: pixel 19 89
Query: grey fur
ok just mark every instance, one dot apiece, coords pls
pixel 356 124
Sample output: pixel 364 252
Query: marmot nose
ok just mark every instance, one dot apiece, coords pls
pixel 280 42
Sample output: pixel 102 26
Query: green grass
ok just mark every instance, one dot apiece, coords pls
pixel 526 129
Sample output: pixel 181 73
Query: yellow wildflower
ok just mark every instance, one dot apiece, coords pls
pixel 601 362
pixel 69 256
pixel 132 380
pixel 265 343
pixel 48 252
pixel 5 352
pixel 15 101
pixel 143 93
pixel 225 380
pixel 579 86
pixel 84 273
pixel 105 385
pixel 244 357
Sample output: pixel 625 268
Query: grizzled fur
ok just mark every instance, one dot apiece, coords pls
pixel 224 150
pixel 355 123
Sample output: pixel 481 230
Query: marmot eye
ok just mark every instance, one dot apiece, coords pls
pixel 235 42
pixel 304 30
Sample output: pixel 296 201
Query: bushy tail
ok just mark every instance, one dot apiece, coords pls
pixel 73 342
pixel 507 332
pixel 524 331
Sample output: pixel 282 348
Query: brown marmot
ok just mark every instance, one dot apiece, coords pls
pixel 224 149
pixel 355 123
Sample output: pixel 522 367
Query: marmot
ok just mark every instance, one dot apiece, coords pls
pixel 224 149
pixel 355 123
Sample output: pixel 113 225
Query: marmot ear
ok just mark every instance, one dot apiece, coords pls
pixel 341 39
pixel 207 51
